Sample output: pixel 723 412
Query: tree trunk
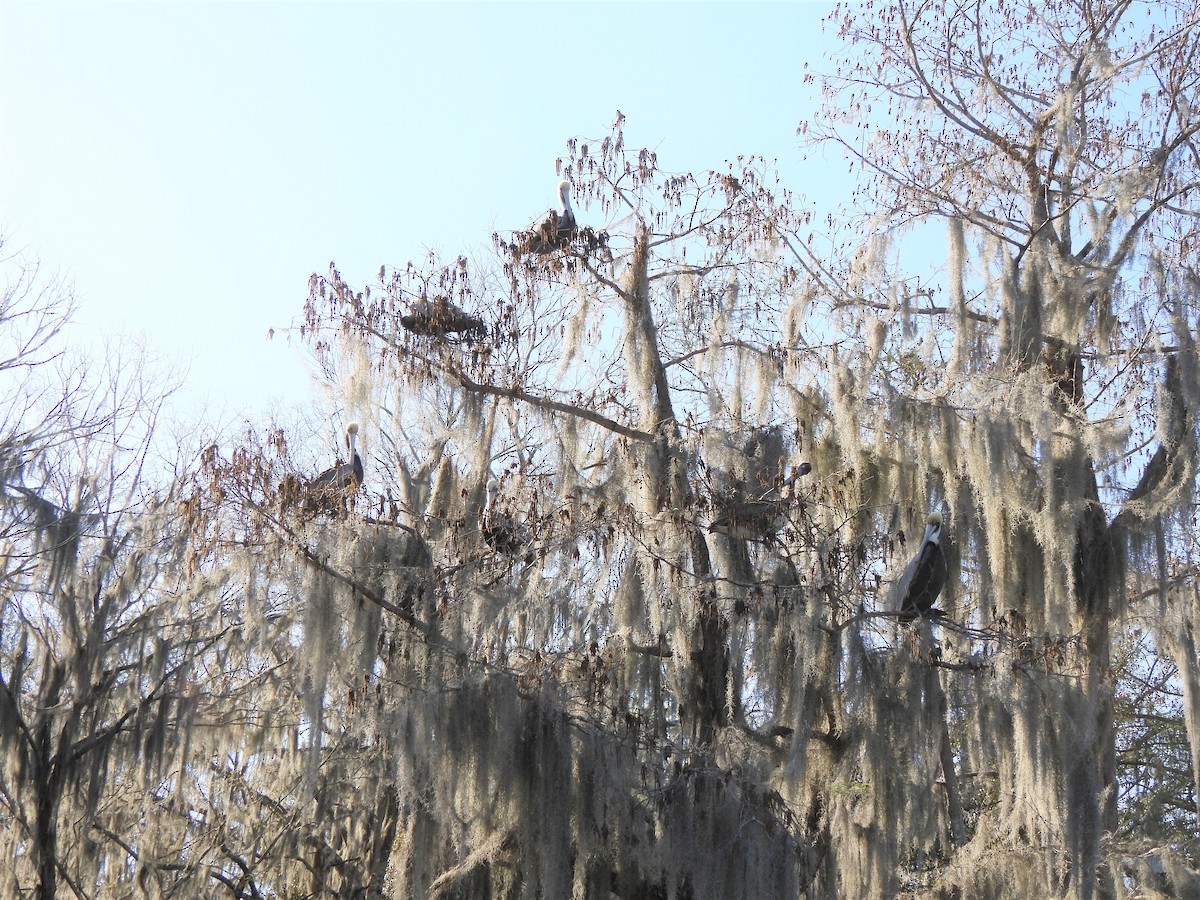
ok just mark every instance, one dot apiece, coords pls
pixel 707 650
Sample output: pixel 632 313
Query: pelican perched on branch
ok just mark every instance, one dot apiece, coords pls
pixel 332 490
pixel 924 577
pixel 756 520
pixel 439 318
pixel 556 230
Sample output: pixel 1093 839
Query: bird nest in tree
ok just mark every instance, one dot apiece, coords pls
pixel 551 236
pixel 442 319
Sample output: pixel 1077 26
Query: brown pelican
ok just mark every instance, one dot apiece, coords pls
pixel 756 520
pixel 332 490
pixel 499 530
pixel 556 230
pixel 438 318
pixel 924 577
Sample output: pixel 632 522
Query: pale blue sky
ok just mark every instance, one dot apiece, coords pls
pixel 189 165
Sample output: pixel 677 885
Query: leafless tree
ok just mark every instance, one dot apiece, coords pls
pixel 517 662
pixel 100 631
pixel 1047 386
pixel 615 701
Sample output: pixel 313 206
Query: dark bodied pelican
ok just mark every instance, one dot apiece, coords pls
pixel 756 520
pixel 438 318
pixel 499 530
pixel 333 488
pixel 924 577
pixel 556 230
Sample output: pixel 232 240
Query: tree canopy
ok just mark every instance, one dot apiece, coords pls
pixel 612 611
